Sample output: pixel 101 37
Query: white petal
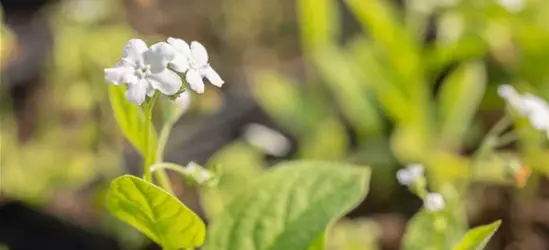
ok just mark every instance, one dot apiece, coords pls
pixel 180 64
pixel 194 79
pixel 136 92
pixel 199 53
pixel 167 82
pixel 118 75
pixel 133 51
pixel 533 104
pixel 180 46
pixel 539 121
pixel 213 77
pixel 158 56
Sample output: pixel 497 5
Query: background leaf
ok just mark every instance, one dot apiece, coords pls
pixel 477 238
pixel 130 118
pixel 318 243
pixel 460 97
pixel 289 207
pixel 430 231
pixel 157 214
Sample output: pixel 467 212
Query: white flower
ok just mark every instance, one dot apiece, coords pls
pixel 531 106
pixel 144 70
pixel 266 139
pixel 512 5
pixel 194 61
pixel 410 175
pixel 434 202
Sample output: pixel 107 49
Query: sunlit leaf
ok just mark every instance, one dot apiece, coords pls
pixel 379 19
pixel 154 212
pixel 130 119
pixel 350 93
pixel 477 238
pixel 289 207
pixel 317 244
pixel 319 23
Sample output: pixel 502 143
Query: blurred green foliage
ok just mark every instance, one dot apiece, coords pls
pixel 380 82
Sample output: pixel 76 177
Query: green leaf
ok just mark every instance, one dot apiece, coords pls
pixel 319 23
pixel 327 141
pixel 289 207
pixel 460 97
pixel 436 231
pixel 318 243
pixel 154 212
pixel 239 164
pixel 477 238
pixel 131 119
pixel 379 19
pixel 351 95
pixel 280 97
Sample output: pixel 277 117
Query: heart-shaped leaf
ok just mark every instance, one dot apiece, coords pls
pixel 477 238
pixel 154 212
pixel 289 207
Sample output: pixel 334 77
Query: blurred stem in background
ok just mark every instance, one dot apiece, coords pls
pixel 149 156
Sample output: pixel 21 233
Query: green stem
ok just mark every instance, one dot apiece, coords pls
pixel 147 159
pixel 416 20
pixel 507 138
pixel 167 165
pixel 161 175
pixel 490 140
pixel 163 140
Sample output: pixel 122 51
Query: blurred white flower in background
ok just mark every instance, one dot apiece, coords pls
pixel 86 10
pixel 193 60
pixel 512 5
pixel 434 202
pixel 145 70
pixel 531 106
pixel 266 139
pixel 183 102
pixel 410 175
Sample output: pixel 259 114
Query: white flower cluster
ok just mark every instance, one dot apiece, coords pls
pixel 147 69
pixel 531 106
pixel 410 175
pixel 434 202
